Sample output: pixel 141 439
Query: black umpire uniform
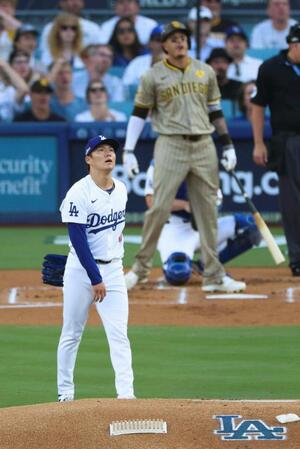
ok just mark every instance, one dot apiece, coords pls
pixel 278 86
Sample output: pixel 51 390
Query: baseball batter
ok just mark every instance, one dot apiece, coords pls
pixel 94 210
pixel 183 96
pixel 178 241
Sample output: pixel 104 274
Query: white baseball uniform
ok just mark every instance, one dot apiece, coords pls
pixel 103 213
pixel 178 235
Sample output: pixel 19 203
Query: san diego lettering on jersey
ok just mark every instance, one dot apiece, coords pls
pixel 183 89
pixel 112 220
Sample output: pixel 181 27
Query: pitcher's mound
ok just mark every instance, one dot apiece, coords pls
pixel 191 424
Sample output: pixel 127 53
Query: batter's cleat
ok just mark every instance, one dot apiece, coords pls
pixel 227 285
pixel 131 279
pixel 65 398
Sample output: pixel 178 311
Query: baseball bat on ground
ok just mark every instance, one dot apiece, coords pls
pixel 263 228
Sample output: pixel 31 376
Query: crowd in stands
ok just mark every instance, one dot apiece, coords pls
pixel 77 70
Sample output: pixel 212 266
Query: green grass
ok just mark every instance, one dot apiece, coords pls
pixel 169 362
pixel 25 247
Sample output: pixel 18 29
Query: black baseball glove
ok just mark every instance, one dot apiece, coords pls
pixel 53 269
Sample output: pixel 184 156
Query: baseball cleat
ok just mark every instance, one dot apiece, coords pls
pixel 65 398
pixel 227 284
pixel 131 279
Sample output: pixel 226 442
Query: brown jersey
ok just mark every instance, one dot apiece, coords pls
pixel 179 99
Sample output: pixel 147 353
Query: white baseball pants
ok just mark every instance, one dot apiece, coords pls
pixel 113 311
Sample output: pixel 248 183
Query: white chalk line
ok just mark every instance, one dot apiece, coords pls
pixel 37 305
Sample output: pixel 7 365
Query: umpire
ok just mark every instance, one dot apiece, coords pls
pixel 183 96
pixel 278 86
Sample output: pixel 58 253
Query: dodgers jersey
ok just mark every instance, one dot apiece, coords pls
pixel 179 99
pixel 101 212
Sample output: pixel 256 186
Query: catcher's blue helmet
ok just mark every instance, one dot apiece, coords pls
pixel 178 268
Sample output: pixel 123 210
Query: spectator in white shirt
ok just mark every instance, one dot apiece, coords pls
pixel 243 68
pixel 90 30
pixel 272 33
pixel 206 42
pixel 97 98
pixel 13 89
pixel 64 41
pixel 8 26
pixel 97 60
pixel 129 9
pixel 139 65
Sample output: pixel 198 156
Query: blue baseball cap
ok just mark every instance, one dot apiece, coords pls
pixel 156 32
pixel 96 141
pixel 236 31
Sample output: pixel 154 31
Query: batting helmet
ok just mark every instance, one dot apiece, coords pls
pixel 173 27
pixel 177 269
pixel 294 34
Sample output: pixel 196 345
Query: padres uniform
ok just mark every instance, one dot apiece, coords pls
pixel 181 101
pixel 103 215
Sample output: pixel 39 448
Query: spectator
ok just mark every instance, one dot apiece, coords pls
pixel 246 92
pixel 20 62
pixel 97 60
pixel 272 33
pixel 90 30
pixel 207 43
pixel 219 24
pixel 139 65
pixel 40 93
pixel 26 39
pixel 219 60
pixel 129 9
pixel 243 67
pixel 64 41
pixel 13 89
pixel 97 98
pixel 125 43
pixel 8 26
pixel 63 101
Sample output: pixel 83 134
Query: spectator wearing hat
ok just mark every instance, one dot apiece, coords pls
pixel 40 111
pixel 8 26
pixel 63 101
pixel 139 65
pixel 219 23
pixel 13 89
pixel 20 62
pixel 243 67
pixel 272 33
pixel 97 59
pixel 129 9
pixel 219 59
pixel 90 30
pixel 97 98
pixel 206 42
pixel 26 39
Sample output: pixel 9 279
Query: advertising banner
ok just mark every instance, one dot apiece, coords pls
pixel 28 174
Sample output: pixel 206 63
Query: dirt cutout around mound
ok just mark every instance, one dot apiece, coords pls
pixel 191 424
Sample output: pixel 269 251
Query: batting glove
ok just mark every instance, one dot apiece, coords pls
pixel 130 163
pixel 229 158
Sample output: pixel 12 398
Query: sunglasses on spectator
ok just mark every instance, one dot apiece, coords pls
pixel 125 30
pixel 97 89
pixel 69 27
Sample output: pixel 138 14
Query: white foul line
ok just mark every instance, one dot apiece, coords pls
pixel 182 296
pixel 31 306
pixel 12 296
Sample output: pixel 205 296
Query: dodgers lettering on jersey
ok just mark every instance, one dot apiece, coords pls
pixel 101 212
